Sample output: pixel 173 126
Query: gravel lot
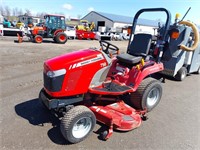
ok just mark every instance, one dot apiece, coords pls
pixel 25 124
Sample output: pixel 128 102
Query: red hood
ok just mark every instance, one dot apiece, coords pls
pixel 65 60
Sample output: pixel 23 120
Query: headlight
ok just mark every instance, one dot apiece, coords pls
pixel 56 73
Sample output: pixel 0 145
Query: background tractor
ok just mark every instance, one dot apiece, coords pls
pixel 53 27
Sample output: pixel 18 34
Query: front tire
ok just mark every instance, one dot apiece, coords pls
pixel 77 124
pixel 38 39
pixel 148 94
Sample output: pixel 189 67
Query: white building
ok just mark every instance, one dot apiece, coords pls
pixel 111 21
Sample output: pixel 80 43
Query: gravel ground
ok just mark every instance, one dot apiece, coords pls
pixel 25 124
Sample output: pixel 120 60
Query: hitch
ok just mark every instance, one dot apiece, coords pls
pixel 143 114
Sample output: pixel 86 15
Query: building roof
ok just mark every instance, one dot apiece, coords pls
pixel 126 19
pixel 28 16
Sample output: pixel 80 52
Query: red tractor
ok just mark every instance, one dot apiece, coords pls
pixel 88 85
pixel 53 27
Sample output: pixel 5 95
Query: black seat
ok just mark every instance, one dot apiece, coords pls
pixel 138 49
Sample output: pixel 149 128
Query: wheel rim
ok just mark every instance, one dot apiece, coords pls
pixel 153 96
pixel 38 39
pixel 183 75
pixel 82 127
pixel 62 38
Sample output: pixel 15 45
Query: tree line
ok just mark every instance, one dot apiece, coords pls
pixel 12 13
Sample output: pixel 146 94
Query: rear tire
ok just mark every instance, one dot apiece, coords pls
pixel 181 74
pixel 61 38
pixel 38 39
pixel 148 94
pixel 77 124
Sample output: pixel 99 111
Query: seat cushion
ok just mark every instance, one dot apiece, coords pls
pixel 129 59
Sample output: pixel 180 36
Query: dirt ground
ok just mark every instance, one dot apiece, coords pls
pixel 25 124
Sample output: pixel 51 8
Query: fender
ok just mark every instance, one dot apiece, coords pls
pixel 138 74
pixel 57 31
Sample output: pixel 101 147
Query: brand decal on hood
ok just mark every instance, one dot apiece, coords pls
pixel 87 62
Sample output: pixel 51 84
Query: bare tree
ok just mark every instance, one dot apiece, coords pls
pixel 28 12
pixel 7 12
pixel 15 11
pixel 2 12
pixel 41 14
pixel 20 12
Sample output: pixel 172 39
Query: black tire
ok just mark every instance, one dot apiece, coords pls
pixel 142 97
pixel 38 39
pixel 61 38
pixel 54 39
pixel 181 74
pixel 75 116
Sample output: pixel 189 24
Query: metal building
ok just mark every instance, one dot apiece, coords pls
pixel 118 21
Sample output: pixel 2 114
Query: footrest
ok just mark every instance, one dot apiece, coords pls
pixel 111 88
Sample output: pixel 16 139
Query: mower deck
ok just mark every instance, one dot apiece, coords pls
pixel 118 116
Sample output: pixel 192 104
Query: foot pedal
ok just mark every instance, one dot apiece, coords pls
pixel 111 88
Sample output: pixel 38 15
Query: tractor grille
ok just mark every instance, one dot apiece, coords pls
pixel 53 84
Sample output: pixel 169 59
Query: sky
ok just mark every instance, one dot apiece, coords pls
pixel 75 8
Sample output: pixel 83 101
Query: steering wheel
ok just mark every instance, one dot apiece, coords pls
pixel 196 36
pixel 109 48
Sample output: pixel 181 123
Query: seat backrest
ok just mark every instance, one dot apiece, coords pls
pixel 140 44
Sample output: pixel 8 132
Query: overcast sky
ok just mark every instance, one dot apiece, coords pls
pixel 75 8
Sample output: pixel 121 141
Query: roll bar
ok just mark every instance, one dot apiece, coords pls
pixel 167 23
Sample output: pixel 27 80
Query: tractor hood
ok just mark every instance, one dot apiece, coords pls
pixel 74 59
pixel 64 74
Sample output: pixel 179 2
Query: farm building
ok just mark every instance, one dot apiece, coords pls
pixel 119 22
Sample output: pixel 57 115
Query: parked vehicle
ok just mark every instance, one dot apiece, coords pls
pixel 81 34
pixel 182 56
pixel 54 27
pixel 1 29
pixel 85 30
pixel 102 36
pixel 125 36
pixel 70 32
